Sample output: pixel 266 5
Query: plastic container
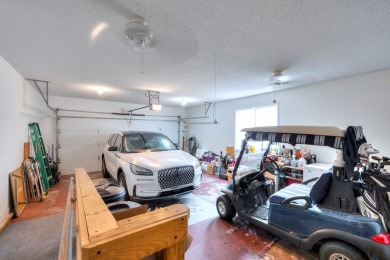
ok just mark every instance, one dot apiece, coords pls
pixel 203 166
pixel 294 162
pixel 315 170
pixel 217 168
pixel 302 162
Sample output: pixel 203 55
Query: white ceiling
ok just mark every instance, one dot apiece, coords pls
pixel 311 41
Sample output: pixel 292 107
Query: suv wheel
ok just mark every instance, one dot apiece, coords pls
pixel 339 251
pixel 104 169
pixel 225 208
pixel 122 182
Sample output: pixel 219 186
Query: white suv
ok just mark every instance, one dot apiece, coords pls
pixel 149 165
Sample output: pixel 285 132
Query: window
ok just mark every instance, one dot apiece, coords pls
pixel 118 143
pixel 147 142
pixel 253 117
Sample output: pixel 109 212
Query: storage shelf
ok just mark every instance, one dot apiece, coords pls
pixel 290 167
pixel 293 167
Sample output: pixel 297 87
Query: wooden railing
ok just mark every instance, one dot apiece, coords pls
pixel 101 236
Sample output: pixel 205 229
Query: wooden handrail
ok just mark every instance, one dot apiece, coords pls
pixel 101 236
pixel 67 227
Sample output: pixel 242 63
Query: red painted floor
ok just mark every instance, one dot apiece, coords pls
pixel 213 237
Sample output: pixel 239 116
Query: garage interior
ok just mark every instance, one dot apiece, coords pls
pixel 83 70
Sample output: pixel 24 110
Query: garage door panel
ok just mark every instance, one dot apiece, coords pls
pixel 80 151
pixel 86 156
pixel 79 124
pixel 82 140
pixel 74 138
pixel 88 165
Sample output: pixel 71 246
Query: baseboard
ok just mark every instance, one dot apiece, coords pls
pixel 5 222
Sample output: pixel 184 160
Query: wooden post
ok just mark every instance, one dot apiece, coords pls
pixel 26 151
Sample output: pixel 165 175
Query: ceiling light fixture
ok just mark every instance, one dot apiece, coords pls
pixel 277 79
pixel 183 102
pixel 139 34
pixel 215 88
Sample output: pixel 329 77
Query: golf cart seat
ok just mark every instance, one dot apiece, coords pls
pixel 293 190
pixel 325 193
pixel 302 195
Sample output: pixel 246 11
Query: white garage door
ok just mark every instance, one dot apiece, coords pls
pixel 82 140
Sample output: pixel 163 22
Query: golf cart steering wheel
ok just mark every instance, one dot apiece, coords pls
pixel 270 165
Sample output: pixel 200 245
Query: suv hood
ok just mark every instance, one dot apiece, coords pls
pixel 156 161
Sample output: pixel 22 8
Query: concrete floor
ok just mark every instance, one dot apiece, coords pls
pixel 214 238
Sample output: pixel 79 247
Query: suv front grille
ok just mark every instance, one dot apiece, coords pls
pixel 173 177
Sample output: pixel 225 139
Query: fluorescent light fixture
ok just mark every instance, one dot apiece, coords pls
pixel 183 102
pixel 155 107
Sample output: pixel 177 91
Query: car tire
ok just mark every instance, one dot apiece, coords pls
pixel 122 182
pixel 225 208
pixel 339 250
pixel 104 169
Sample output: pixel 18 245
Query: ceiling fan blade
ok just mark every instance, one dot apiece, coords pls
pixel 117 7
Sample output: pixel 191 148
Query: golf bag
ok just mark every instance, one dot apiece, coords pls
pixel 377 197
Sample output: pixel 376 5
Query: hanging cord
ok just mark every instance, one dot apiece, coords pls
pixel 142 57
pixel 215 86
pixel 274 101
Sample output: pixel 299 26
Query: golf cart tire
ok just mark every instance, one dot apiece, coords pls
pixel 339 250
pixel 225 208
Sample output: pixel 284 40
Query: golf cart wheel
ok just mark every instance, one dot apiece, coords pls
pixel 225 208
pixel 104 169
pixel 335 250
pixel 122 182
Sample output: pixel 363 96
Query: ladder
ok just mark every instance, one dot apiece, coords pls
pixel 41 155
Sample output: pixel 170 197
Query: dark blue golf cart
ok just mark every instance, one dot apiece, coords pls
pixel 325 214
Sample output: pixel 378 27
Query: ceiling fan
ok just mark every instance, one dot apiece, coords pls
pixel 277 79
pixel 165 39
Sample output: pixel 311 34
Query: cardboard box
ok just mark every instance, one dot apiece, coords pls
pixel 210 168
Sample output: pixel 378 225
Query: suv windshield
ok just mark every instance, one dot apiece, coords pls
pixel 146 142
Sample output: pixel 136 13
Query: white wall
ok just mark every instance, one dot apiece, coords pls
pixel 20 104
pixel 82 139
pixel 360 100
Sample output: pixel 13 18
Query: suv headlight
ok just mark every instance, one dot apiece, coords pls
pixel 140 170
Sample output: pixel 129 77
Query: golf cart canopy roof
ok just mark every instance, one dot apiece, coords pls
pixel 312 135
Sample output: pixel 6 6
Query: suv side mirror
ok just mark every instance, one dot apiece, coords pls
pixel 113 148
